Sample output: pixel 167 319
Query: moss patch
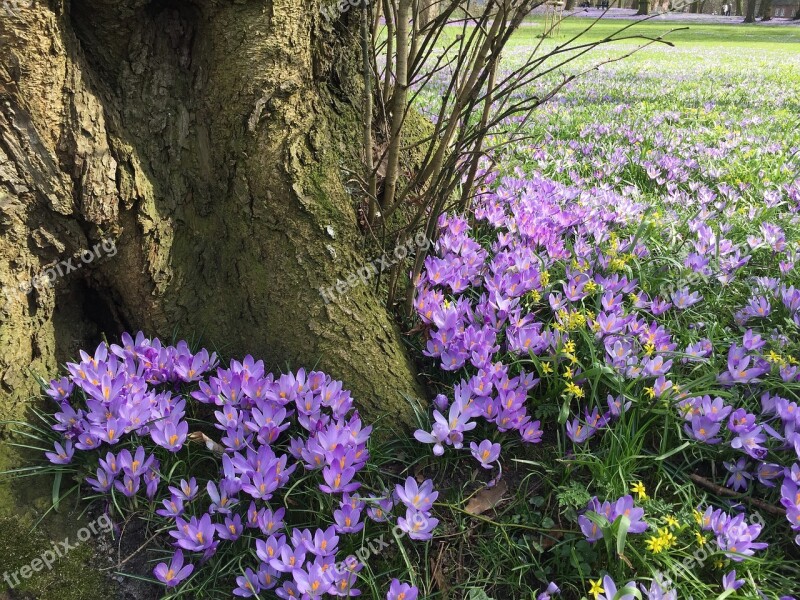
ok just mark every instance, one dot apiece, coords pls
pixel 71 577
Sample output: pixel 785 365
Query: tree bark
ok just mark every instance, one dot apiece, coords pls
pixel 750 15
pixel 206 140
pixel 766 10
pixel 644 7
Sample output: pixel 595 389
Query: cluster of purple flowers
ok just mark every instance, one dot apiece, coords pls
pixel 624 506
pixel 734 536
pixel 493 309
pixel 125 394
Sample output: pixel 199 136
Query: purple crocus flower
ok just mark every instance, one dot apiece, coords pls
pixel 169 435
pixel 417 524
pixel 610 590
pixel 324 543
pixel 739 479
pixel 175 572
pixel 740 369
pixel 590 529
pixel 271 548
pixel 750 443
pixel 703 429
pixel 313 582
pixel 247 585
pixel 270 522
pixel 134 465
pixel 730 583
pixel 417 497
pixel 62 455
pixel 486 452
pixel 348 519
pixel 230 529
pixel 103 482
pixel 402 591
pixel 172 508
pixel 186 490
pixel 128 486
pixel 196 534
pixel 551 590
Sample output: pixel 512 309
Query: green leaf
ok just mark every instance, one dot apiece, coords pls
pixel 57 490
pixel 476 594
pixel 627 591
pixel 623 525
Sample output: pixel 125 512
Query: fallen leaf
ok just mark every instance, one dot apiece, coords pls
pixel 487 498
pixel 202 438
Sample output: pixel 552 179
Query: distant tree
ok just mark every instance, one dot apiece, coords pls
pixel 750 16
pixel 737 9
pixel 766 10
pixel 644 7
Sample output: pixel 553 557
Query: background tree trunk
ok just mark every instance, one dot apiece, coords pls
pixel 766 10
pixel 750 16
pixel 429 10
pixel 206 140
pixel 644 7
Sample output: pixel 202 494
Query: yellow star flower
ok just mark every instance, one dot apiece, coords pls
pixel 597 588
pixel 638 488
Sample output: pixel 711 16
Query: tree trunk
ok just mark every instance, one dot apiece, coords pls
pixel 750 16
pixel 737 8
pixel 206 139
pixel 644 7
pixel 766 10
pixel 429 10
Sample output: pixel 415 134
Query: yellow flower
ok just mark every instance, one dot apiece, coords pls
pixel 773 357
pixel 651 392
pixel 574 389
pixel 663 541
pixel 569 347
pixel 638 488
pixel 654 544
pixel 671 521
pixel 547 368
pixel 544 277
pixel 649 348
pixel 698 517
pixel 567 373
pixel 597 588
pixel 616 264
pixel 701 540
